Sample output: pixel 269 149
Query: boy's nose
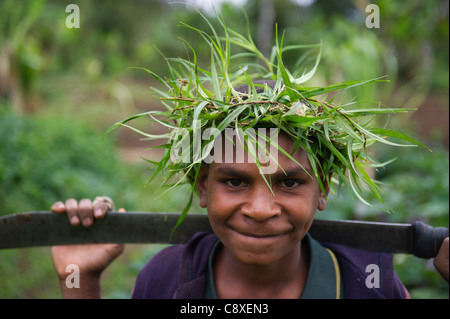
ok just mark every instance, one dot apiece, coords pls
pixel 261 205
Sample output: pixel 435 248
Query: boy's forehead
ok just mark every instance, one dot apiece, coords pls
pixel 285 168
pixel 238 158
pixel 278 140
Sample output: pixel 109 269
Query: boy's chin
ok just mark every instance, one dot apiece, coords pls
pixel 261 252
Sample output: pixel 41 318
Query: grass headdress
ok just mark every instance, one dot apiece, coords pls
pixel 335 136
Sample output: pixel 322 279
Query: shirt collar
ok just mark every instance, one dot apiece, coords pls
pixel 323 280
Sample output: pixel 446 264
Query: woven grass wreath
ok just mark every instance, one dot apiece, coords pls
pixel 199 97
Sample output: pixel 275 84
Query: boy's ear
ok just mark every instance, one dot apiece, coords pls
pixel 322 204
pixel 202 180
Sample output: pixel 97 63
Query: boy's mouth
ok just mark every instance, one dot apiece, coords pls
pixel 261 235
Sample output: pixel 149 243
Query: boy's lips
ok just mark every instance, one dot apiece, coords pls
pixel 268 234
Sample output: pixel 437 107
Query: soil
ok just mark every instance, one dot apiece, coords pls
pixel 432 118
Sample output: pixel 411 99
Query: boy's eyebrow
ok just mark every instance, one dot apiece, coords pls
pixel 291 172
pixel 230 171
pixel 295 172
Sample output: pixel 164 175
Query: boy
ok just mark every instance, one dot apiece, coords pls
pixel 260 247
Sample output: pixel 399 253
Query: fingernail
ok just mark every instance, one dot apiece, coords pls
pixel 75 220
pixel 98 212
pixel 87 222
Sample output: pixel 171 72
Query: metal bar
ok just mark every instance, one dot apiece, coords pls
pixel 373 236
pixel 48 229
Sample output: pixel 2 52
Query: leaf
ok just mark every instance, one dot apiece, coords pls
pixel 310 92
pixel 183 214
pixel 282 70
pixel 231 117
pixel 350 152
pixel 147 135
pixel 341 121
pixel 303 121
pixel 310 74
pixel 156 76
pixel 398 135
pixel 116 125
pixel 375 111
pixel 375 189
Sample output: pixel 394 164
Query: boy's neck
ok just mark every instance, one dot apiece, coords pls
pixel 283 279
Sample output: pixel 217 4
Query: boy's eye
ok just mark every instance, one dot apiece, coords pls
pixel 289 183
pixel 234 182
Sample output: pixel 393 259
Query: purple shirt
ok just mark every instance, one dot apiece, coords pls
pixel 179 272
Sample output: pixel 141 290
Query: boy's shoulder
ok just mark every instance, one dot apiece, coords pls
pixel 177 271
pixel 180 272
pixel 367 274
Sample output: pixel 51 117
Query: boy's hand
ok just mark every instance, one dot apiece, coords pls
pixel 90 259
pixel 441 262
pixel 85 211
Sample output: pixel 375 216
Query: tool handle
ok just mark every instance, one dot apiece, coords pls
pixel 427 239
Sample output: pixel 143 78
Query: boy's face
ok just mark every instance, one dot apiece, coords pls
pixel 256 226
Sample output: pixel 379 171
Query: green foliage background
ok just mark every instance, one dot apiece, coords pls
pixel 61 88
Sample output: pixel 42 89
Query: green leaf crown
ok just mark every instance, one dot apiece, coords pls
pixel 335 136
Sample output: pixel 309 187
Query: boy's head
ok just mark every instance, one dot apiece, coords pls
pixel 332 135
pixel 257 223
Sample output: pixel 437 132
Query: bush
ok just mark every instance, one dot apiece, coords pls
pixel 45 159
pixel 48 158
pixel 415 186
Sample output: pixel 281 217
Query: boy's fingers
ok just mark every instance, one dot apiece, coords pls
pixel 85 211
pixel 72 211
pixel 100 209
pixel 58 207
pixel 102 204
pixel 121 210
